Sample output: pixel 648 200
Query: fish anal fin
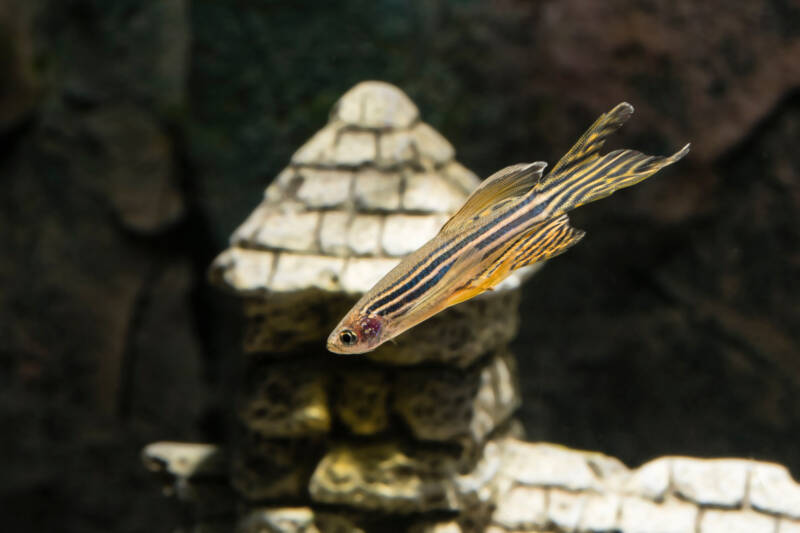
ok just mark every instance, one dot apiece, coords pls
pixel 554 238
pixel 500 187
pixel 544 241
pixel 463 294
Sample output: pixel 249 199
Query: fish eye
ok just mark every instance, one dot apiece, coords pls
pixel 347 337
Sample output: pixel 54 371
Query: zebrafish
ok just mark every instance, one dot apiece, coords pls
pixel 516 217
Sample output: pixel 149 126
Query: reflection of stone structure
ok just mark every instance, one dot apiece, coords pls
pixel 417 435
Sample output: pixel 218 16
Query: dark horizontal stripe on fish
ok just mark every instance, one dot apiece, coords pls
pixel 556 180
pixel 441 258
pixel 582 187
pixel 514 224
pixel 581 178
pixel 416 293
pixel 464 242
pixel 405 276
pixel 542 246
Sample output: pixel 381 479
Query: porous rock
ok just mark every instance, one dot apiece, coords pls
pixel 285 400
pixel 270 469
pixel 283 323
pixel 361 401
pixel 457 336
pixel 386 477
pixel 449 404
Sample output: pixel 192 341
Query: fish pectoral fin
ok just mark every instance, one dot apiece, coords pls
pixel 546 240
pixel 498 188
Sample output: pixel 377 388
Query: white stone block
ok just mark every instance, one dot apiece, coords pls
pixel 244 270
pixel 395 148
pixel 522 508
pixel 431 145
pixel 650 480
pixel 318 148
pixel 363 237
pixel 565 509
pixel 773 490
pixel 710 481
pixel 324 188
pixel 361 274
pixel 402 234
pixel 461 176
pixel 247 230
pixel 642 516
pixel 428 191
pixel 788 526
pixel 600 512
pixel 273 519
pixel 376 104
pixel 274 192
pixel 185 459
pixel 333 233
pixel 355 148
pixel 548 465
pixel 288 229
pixel 719 521
pixel 299 271
pixel 377 190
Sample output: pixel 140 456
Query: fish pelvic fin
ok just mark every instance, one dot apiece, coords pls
pixel 588 147
pixel 502 186
pixel 544 241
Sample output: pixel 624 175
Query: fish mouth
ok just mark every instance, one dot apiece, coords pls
pixel 332 346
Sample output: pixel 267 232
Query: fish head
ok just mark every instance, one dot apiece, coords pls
pixel 357 334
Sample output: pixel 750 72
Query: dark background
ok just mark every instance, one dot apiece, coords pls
pixel 136 134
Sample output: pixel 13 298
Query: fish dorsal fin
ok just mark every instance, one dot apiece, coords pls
pixel 591 142
pixel 544 241
pixel 501 186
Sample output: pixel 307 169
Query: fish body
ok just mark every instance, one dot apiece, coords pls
pixel 516 217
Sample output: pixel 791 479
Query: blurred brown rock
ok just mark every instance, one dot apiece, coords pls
pixel 138 159
pixel 20 87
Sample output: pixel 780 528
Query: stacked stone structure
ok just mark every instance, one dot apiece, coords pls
pixel 403 429
pixel 418 435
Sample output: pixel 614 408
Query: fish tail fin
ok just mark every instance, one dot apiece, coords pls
pixel 583 175
pixel 603 176
pixel 544 241
pixel 588 147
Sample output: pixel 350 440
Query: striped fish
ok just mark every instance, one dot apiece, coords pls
pixel 516 217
